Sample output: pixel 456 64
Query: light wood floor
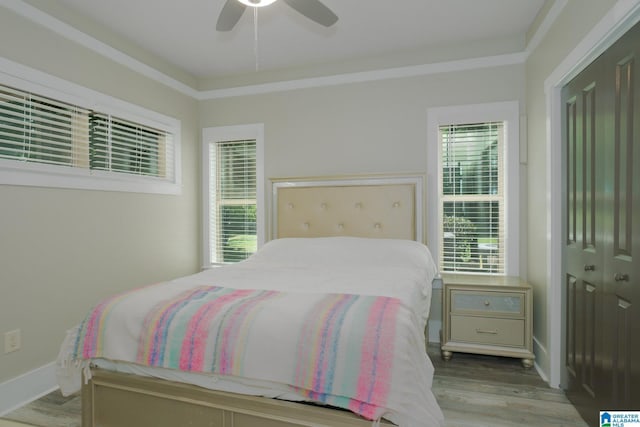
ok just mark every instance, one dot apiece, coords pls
pixel 9 423
pixel 471 390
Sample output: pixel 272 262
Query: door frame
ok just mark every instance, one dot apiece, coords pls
pixel 622 16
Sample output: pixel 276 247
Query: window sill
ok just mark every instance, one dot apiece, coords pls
pixel 40 175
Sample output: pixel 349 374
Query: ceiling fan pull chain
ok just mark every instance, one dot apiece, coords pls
pixel 255 32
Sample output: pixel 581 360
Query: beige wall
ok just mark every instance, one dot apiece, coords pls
pixel 62 250
pixel 575 21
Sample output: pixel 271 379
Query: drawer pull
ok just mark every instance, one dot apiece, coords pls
pixel 487 303
pixel 486 331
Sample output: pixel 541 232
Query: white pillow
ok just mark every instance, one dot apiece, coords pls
pixel 346 251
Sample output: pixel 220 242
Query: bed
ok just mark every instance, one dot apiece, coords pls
pixel 322 326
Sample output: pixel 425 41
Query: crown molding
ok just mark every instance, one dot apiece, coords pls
pixel 367 76
pixel 553 14
pixel 65 30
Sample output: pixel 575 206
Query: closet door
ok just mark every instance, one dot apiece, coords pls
pixel 622 261
pixel 601 124
pixel 585 113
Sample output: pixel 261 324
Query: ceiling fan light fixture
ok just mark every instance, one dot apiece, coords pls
pixel 256 3
pixel 232 11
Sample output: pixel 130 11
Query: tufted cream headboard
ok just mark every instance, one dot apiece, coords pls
pixel 374 206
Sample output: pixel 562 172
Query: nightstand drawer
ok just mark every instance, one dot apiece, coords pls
pixel 508 304
pixel 485 330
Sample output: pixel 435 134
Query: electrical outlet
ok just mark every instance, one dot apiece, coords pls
pixel 12 341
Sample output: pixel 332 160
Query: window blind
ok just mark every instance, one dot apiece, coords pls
pixel 232 221
pixel 472 198
pixel 119 145
pixel 38 129
pixel 42 130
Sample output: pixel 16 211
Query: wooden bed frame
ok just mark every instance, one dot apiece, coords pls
pixel 371 206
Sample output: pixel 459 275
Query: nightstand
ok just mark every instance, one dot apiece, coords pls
pixel 487 315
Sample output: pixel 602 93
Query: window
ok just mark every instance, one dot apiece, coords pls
pixel 472 197
pixel 475 151
pixel 47 138
pixel 233 200
pixel 233 184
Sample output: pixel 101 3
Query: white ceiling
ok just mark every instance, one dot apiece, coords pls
pixel 182 32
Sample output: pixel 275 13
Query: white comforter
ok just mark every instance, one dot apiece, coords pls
pixel 392 268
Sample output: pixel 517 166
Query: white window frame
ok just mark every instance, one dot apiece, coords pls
pixel 507 112
pixel 43 175
pixel 232 133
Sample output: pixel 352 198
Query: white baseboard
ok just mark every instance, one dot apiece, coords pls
pixel 27 387
pixel 542 362
pixel 542 374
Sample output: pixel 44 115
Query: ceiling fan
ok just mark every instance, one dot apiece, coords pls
pixel 312 9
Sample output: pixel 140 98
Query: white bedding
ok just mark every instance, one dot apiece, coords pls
pixel 382 267
pixel 400 269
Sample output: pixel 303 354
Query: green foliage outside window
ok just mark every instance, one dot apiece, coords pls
pixel 239 237
pixel 460 241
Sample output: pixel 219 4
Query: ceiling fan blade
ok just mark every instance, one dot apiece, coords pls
pixel 230 15
pixel 314 10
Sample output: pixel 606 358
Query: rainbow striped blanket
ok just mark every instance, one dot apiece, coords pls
pixel 351 351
